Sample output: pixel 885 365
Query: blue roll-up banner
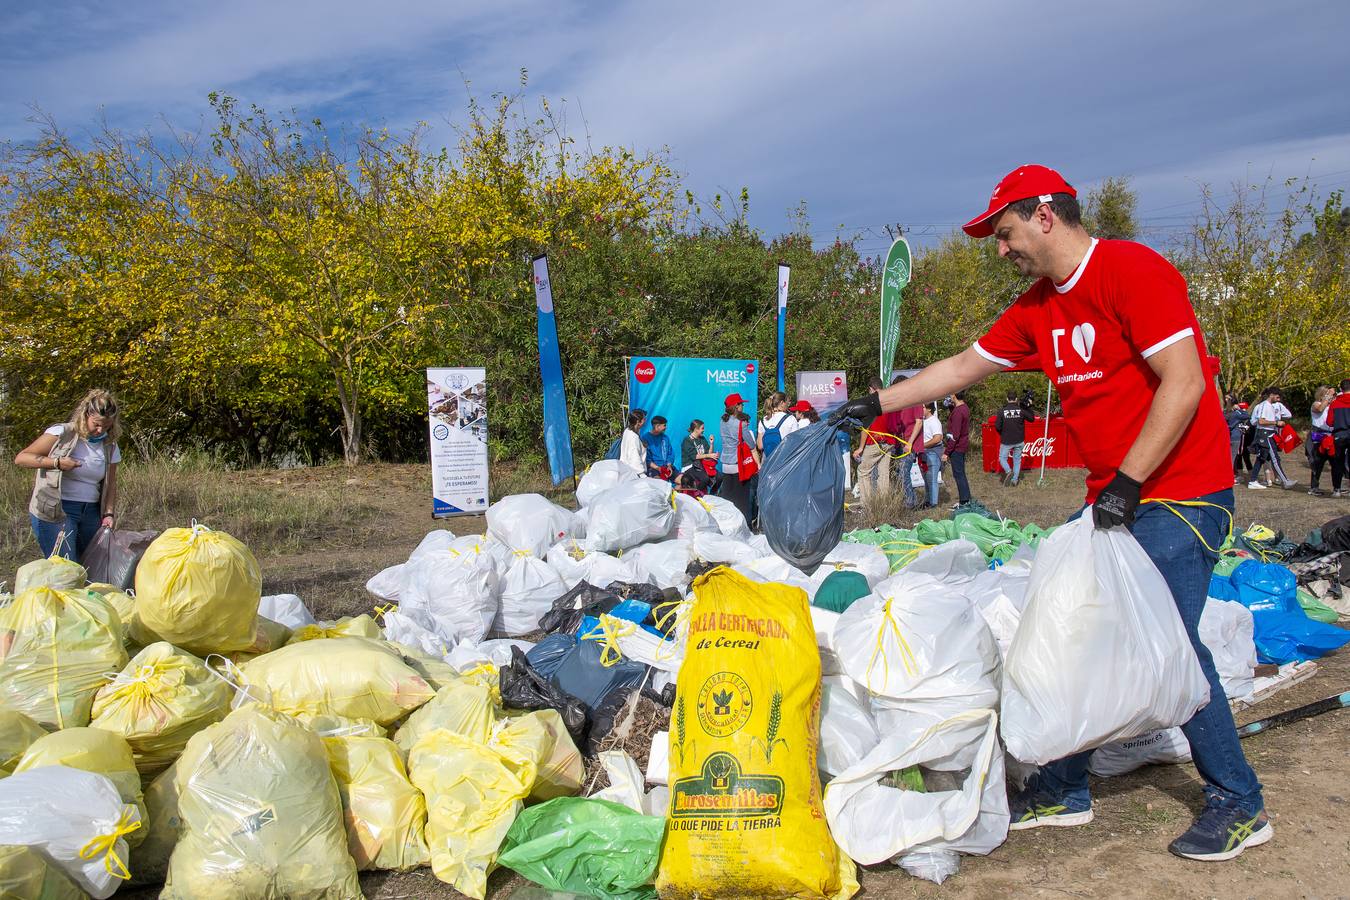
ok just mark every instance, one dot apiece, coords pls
pixel 686 389
pixel 784 272
pixel 557 431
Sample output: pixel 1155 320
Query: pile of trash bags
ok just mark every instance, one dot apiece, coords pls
pixel 191 732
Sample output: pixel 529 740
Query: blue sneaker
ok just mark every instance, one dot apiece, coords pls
pixel 1033 809
pixel 1221 833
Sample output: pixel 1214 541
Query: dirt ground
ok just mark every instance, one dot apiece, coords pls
pixel 1121 854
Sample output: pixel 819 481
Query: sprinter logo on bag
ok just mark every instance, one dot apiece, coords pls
pixel 724 704
pixel 721 791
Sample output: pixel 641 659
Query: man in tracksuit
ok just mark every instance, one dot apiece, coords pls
pixel 1011 424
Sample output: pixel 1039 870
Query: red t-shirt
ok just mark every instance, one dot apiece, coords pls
pixel 1093 335
pixel 905 419
pixel 883 426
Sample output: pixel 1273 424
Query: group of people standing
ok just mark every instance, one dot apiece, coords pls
pixel 1255 438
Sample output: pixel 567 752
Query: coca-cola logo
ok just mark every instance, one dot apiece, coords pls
pixel 838 381
pixel 1042 446
pixel 644 372
pixel 750 367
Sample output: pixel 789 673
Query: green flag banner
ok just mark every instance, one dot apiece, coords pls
pixel 894 277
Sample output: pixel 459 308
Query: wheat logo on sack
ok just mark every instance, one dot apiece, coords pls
pixel 724 704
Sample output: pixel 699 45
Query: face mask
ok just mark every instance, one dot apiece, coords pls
pixel 97 438
pixel 947 404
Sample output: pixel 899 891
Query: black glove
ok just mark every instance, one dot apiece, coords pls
pixel 864 409
pixel 1117 502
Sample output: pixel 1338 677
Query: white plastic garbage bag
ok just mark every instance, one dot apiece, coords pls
pixel 453 593
pixel 664 564
pixel 715 547
pixel 916 639
pixel 760 544
pixel 952 561
pixel 1101 654
pixel 387 584
pixel 600 477
pixel 401 629
pixel 529 587
pixel 1227 629
pixel 873 822
pixel 575 564
pixel 628 515
pixel 530 522
pixel 1156 748
pixel 775 568
pixel 435 543
pixel 691 517
pixel 286 609
pixel 61 811
pixel 470 655
pixel 864 559
pixel 729 519
pixel 825 621
pixel 626 785
pixel 847 732
pixel 1000 594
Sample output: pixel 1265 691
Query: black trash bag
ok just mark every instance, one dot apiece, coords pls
pixel 1336 534
pixel 699 567
pixel 801 496
pixel 605 716
pixel 112 556
pixel 583 600
pixel 523 687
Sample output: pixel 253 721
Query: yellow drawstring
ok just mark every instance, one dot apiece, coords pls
pixel 679 610
pixel 107 845
pixel 385 609
pixel 1167 504
pixel 882 434
pixel 906 653
pixel 608 632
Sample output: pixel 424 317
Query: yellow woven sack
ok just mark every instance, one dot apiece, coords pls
pixel 163 697
pixel 150 861
pixel 353 677
pixel 55 572
pixel 17 732
pixel 56 650
pixel 347 626
pixel 25 875
pixel 464 706
pixel 745 816
pixel 93 751
pixel 260 813
pixel 473 796
pixel 384 814
pixel 198 589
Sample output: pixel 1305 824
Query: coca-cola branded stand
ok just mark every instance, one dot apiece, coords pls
pixel 1053 445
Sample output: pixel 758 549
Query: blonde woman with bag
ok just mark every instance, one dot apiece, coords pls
pixel 76 488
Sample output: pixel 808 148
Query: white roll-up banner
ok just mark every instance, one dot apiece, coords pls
pixel 457 417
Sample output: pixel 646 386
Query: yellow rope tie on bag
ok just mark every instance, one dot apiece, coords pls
pixel 56 682
pixel 909 451
pixel 384 610
pixel 906 653
pixel 1168 504
pixel 679 611
pixel 608 632
pixel 107 845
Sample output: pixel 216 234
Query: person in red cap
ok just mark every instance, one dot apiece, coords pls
pixel 1112 326
pixel 734 429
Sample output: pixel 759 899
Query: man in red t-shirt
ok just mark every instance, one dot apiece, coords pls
pixel 1112 326
pixel 874 454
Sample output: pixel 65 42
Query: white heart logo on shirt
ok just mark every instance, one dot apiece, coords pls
pixel 1083 337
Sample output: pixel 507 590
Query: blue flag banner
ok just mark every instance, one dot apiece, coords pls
pixel 682 390
pixel 557 431
pixel 784 272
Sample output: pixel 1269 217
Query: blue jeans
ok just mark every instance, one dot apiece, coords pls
pixel 932 456
pixel 80 527
pixel 1186 565
pixel 958 460
pixel 1010 453
pixel 906 472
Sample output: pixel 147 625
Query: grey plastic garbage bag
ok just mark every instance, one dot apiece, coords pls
pixel 801 496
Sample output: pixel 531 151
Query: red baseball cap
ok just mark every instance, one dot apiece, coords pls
pixel 800 406
pixel 733 399
pixel 1019 184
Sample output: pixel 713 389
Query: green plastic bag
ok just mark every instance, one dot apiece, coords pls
pixel 590 847
pixel 840 590
pixel 1315 609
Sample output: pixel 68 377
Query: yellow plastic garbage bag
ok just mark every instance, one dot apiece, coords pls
pixel 347 626
pixel 56 650
pixel 353 677
pixel 261 815
pixel 163 697
pixel 540 739
pixel 473 795
pixel 93 751
pixel 198 589
pixel 17 732
pixel 55 572
pixel 437 672
pixel 464 706
pixel 150 861
pixel 122 602
pixel 267 636
pixel 385 815
pixel 745 815
pixel 25 875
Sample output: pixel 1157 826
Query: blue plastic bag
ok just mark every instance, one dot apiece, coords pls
pixel 1283 631
pixel 801 496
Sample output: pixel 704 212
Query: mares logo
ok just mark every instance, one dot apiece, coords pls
pixel 1042 446
pixel 818 390
pixel 644 372
pixel 727 376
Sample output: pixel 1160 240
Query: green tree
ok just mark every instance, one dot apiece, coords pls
pixel 1110 209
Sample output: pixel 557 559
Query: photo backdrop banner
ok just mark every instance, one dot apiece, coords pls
pixel 686 389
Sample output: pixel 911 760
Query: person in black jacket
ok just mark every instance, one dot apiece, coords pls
pixel 1011 424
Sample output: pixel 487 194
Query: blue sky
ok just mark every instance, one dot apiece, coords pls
pixel 870 112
